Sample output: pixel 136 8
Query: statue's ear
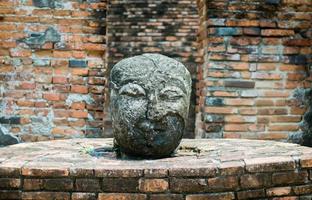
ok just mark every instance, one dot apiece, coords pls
pixel 113 86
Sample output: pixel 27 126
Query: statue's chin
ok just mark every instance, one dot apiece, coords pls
pixel 152 139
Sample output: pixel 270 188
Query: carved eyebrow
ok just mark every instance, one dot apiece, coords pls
pixel 130 86
pixel 180 84
pixel 172 89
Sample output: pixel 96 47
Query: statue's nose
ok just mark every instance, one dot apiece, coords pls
pixel 153 111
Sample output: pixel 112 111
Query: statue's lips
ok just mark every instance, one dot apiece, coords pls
pixel 149 126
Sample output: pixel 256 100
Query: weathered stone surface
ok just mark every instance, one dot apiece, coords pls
pixel 6 138
pixel 150 97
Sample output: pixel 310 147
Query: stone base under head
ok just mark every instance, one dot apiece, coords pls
pixel 150 97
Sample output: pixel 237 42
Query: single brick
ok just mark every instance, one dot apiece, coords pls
pixel 9 183
pixel 120 185
pixel 41 62
pixel 166 197
pixel 227 31
pixel 83 196
pixel 277 32
pixel 153 185
pixel 45 172
pixel 302 189
pixel 214 101
pixel 123 196
pixel 252 31
pixel 78 63
pixel 10 194
pixel 278 191
pixel 273 2
pixel 87 185
pixel 306 161
pixel 32 184
pixel 156 173
pixel 213 118
pixel 223 183
pixel 239 84
pixel 231 168
pixel 46 195
pixel 208 171
pixel 249 181
pixel 212 196
pixel 290 177
pixel 251 194
pixel 270 164
pixel 58 184
pixel 187 185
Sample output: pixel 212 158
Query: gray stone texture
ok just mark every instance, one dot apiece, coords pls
pixel 150 97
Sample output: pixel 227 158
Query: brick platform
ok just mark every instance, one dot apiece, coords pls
pixel 201 169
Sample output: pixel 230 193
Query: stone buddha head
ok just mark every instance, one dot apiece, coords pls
pixel 150 96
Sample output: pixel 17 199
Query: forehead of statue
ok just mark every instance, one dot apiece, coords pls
pixel 154 82
pixel 149 73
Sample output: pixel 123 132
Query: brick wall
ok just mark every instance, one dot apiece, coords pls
pixel 167 27
pixel 52 68
pixel 254 63
pixel 255 68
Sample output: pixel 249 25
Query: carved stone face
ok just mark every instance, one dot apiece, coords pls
pixel 150 97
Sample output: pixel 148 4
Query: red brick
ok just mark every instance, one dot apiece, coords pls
pixel 255 181
pixel 278 191
pixel 283 178
pixel 284 128
pixel 78 105
pixel 277 32
pixel 46 195
pixel 123 196
pixel 220 110
pixel 83 196
pixel 79 89
pixel 59 80
pixel 239 102
pixel 251 194
pixel 27 85
pixel 9 183
pixel 154 185
pixel 302 189
pixel 212 196
pixel 223 183
pixel 79 114
pixel 52 97
pixel 187 185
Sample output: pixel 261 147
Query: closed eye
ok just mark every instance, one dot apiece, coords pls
pixel 132 90
pixel 171 93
